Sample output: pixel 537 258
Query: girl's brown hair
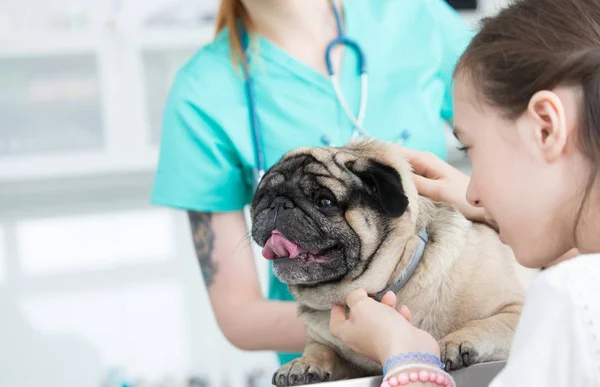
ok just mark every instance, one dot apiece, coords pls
pixel 535 45
pixel 230 12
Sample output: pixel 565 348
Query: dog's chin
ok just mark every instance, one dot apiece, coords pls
pixel 311 270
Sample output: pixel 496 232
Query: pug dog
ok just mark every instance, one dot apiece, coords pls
pixel 337 219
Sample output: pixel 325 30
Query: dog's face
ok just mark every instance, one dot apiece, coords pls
pixel 323 214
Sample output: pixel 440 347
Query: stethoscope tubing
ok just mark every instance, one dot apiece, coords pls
pixel 357 121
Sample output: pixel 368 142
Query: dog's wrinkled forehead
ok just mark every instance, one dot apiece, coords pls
pixel 363 174
pixel 307 170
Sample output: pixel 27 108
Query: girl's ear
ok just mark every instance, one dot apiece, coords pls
pixel 550 123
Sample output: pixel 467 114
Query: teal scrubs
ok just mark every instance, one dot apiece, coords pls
pixel 206 153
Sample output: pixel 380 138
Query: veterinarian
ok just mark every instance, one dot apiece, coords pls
pixel 527 112
pixel 222 125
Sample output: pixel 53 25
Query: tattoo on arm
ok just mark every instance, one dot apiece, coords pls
pixel 204 238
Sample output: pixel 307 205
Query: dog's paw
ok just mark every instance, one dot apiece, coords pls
pixel 457 353
pixel 299 372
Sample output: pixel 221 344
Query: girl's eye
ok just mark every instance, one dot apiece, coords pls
pixel 463 149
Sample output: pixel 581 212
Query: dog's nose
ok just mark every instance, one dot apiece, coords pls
pixel 282 203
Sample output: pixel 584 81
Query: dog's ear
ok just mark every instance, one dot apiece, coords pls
pixel 383 183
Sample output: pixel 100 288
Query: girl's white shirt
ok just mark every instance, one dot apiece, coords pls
pixel 557 341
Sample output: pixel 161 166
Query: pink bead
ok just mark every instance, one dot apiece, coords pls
pixel 424 376
pixel 432 377
pixel 403 379
pixel 448 383
pixel 385 384
pixel 413 376
pixel 393 381
pixel 441 379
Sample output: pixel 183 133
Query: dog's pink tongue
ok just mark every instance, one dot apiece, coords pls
pixel 278 246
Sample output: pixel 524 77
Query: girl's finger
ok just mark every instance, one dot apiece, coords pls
pixel 337 320
pixel 405 312
pixel 355 296
pixel 424 163
pixel 389 299
pixel 427 187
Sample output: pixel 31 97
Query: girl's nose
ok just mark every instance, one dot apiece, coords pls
pixel 472 195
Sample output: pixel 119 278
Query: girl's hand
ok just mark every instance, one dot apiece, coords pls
pixel 440 181
pixel 377 330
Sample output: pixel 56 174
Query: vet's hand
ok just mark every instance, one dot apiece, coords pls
pixel 440 181
pixel 377 330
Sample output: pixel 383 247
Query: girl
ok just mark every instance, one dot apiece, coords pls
pixel 527 109
pixel 207 157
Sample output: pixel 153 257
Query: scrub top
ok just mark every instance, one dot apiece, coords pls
pixel 206 154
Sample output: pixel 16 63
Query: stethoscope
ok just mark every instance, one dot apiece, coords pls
pixel 357 121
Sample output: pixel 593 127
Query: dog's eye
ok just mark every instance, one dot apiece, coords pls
pixel 325 202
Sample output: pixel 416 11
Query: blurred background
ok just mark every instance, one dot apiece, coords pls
pixel 97 287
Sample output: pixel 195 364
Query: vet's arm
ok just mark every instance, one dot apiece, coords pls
pixel 247 320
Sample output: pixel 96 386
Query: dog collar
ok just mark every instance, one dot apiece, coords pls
pixel 410 269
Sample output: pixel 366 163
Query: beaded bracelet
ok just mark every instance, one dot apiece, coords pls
pixel 412 357
pixel 412 373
